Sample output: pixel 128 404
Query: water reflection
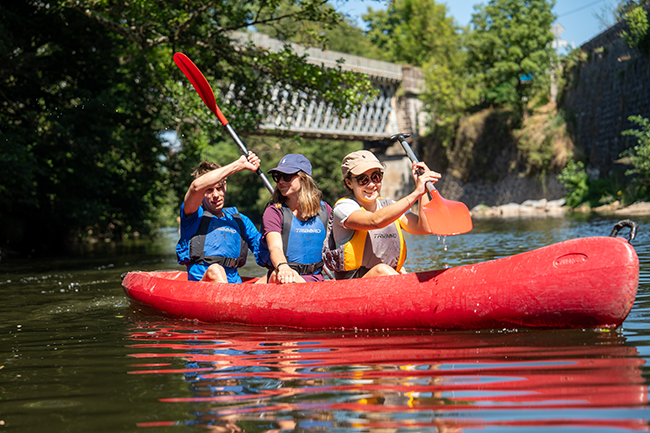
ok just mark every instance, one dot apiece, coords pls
pixel 272 380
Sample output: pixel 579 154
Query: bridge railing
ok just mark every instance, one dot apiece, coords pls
pixel 308 116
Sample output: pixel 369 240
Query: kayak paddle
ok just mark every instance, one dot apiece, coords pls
pixel 204 90
pixel 446 217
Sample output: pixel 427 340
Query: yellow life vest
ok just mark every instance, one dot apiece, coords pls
pixel 366 248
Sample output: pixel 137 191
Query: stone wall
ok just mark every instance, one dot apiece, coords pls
pixel 512 188
pixel 483 165
pixel 612 84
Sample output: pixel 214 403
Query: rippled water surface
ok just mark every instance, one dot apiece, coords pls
pixel 76 358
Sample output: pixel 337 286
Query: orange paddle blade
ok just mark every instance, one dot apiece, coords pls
pixel 447 217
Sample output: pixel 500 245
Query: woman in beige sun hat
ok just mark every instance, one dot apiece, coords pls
pixel 364 232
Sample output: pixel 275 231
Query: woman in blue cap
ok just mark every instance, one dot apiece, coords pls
pixel 294 222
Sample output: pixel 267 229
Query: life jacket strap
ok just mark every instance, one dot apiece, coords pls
pixel 228 262
pixel 306 269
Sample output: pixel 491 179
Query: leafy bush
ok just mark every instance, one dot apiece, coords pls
pixel 639 156
pixel 638 36
pixel 575 180
pixel 544 142
pixel 595 192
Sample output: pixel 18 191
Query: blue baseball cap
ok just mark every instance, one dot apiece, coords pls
pixel 293 163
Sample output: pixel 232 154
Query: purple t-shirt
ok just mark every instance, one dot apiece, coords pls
pixel 272 222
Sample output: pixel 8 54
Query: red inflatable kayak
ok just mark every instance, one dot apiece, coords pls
pixel 580 283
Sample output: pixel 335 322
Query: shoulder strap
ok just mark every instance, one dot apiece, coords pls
pixel 287 220
pixel 332 256
pixel 322 214
pixel 243 249
pixel 344 198
pixel 384 201
pixel 197 242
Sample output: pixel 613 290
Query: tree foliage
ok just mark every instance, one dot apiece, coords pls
pixel 413 32
pixel 89 85
pixel 448 92
pixel 75 152
pixel 583 189
pixel 509 50
pixel 611 13
pixel 343 36
pixel 574 178
pixel 421 33
pixel 638 34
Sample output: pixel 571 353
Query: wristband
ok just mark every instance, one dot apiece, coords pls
pixel 277 268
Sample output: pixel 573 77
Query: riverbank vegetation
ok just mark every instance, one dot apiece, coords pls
pixel 101 130
pixel 583 189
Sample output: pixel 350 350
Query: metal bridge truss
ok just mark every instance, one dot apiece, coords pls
pixel 298 112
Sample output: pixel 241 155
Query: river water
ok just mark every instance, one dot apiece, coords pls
pixel 76 358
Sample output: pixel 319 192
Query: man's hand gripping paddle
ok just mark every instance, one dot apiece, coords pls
pixel 446 217
pixel 205 92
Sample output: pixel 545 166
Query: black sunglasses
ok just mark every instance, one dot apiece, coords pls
pixel 284 176
pixel 364 179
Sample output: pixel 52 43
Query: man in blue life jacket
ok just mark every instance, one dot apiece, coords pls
pixel 215 240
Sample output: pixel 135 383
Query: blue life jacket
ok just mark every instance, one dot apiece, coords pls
pixel 303 240
pixel 217 240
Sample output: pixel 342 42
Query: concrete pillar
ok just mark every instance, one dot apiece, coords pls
pixel 407 109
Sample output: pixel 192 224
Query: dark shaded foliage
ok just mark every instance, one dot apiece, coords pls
pixel 87 88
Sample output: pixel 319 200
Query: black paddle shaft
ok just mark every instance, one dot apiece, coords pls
pixel 243 149
pixel 402 140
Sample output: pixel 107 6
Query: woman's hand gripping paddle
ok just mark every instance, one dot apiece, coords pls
pixel 446 217
pixel 205 92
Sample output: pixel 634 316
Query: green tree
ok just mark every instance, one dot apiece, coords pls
pixel 420 33
pixel 448 93
pixel 77 150
pixel 88 86
pixel 510 51
pixel 343 36
pixel 414 32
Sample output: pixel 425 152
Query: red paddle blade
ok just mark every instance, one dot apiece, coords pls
pixel 200 84
pixel 447 217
